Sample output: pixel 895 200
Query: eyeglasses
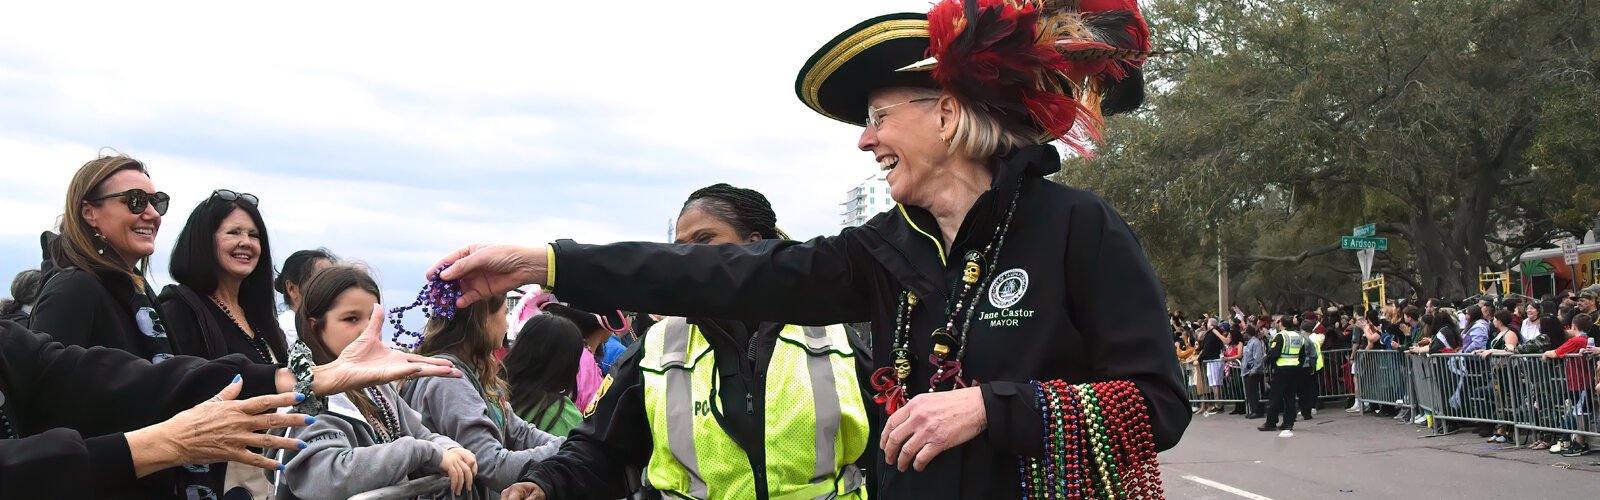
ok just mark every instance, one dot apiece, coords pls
pixel 875 115
pixel 226 195
pixel 138 199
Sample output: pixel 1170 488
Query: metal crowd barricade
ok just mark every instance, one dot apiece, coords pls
pixel 1231 390
pixel 1383 377
pixel 421 487
pixel 1333 380
pixel 1557 395
pixel 1469 388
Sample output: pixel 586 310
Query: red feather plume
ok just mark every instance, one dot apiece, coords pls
pixel 1046 64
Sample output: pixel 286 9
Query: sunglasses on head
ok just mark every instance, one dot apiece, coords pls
pixel 226 195
pixel 138 199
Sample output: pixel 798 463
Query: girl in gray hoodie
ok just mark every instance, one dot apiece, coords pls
pixel 473 409
pixel 370 438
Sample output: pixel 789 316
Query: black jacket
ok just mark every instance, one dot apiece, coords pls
pixel 1093 309
pixel 615 441
pixel 77 307
pixel 70 406
pixel 197 327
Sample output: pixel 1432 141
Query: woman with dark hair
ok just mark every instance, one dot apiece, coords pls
pixel 368 438
pixel 590 374
pixel 95 292
pixel 1477 336
pixel 1448 339
pixel 542 369
pixel 296 270
pixel 24 292
pixel 222 302
pixel 472 410
pixel 774 383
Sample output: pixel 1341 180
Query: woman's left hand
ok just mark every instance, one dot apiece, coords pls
pixel 367 362
pixel 930 424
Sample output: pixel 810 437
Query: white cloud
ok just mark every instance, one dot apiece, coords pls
pixel 392 132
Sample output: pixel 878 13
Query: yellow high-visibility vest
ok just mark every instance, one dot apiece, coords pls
pixel 1292 343
pixel 815 421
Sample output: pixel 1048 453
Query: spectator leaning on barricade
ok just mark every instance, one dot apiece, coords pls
pixel 95 292
pixel 1580 381
pixel 1231 360
pixel 1212 341
pixel 367 439
pixel 222 302
pixel 1477 336
pixel 472 410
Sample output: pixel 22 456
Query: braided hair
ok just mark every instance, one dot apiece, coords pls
pixel 747 210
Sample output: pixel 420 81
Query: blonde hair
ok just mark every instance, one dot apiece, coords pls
pixel 77 245
pixel 979 135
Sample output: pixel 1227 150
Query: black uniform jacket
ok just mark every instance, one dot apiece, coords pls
pixel 616 440
pixel 69 407
pixel 1082 305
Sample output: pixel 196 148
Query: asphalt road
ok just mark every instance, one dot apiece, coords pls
pixel 1348 457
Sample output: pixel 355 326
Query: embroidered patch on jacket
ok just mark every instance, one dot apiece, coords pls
pixel 1008 288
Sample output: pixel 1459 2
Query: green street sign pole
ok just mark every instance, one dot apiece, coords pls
pixel 1365 230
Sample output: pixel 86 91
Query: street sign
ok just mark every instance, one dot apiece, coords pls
pixel 1569 251
pixel 1365 230
pixel 1359 243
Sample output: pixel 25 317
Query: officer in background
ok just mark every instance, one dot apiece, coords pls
pixel 1291 355
pixel 721 409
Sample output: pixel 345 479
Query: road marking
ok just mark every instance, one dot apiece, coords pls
pixel 1224 487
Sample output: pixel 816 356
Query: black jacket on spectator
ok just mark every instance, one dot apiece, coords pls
pixel 1092 311
pixel 79 308
pixel 197 327
pixel 67 408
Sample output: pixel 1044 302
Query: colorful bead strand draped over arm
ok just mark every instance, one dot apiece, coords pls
pixel 1097 444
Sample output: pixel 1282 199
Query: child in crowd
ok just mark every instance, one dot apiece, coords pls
pixel 368 439
pixel 472 409
pixel 543 369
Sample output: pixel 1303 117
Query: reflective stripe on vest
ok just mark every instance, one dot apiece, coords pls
pixel 1290 354
pixel 810 440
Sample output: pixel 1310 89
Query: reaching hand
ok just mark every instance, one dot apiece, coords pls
pixel 367 362
pixel 488 270
pixel 217 430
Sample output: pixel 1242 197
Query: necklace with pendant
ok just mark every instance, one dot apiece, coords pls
pixel 949 342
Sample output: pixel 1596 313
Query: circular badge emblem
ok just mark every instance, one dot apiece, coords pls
pixel 1008 288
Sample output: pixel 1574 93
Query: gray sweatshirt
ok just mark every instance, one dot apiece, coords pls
pixel 342 458
pixel 455 407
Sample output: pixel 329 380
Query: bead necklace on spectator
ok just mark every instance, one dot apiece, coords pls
pixel 256 342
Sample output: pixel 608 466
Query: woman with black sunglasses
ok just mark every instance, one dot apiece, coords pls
pixel 95 293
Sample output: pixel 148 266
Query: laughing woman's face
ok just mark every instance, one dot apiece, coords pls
pixel 132 236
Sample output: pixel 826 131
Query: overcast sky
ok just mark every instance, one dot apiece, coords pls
pixel 394 132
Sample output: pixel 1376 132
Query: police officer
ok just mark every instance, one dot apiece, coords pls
pixel 711 408
pixel 1290 354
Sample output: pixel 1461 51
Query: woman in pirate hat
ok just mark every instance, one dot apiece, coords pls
pixel 1019 331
